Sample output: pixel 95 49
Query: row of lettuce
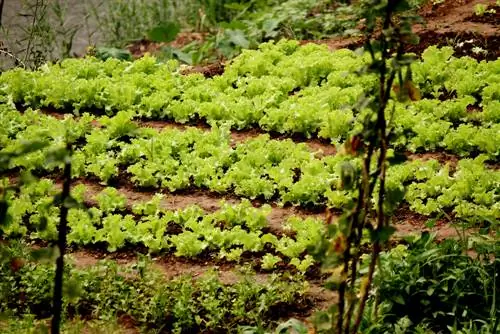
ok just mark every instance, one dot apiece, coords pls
pixel 110 220
pixel 278 170
pixel 284 88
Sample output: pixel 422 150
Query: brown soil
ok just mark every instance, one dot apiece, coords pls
pixel 442 157
pixel 139 48
pixel 453 23
pixel 450 23
pixel 408 223
pixel 208 71
pixel 491 16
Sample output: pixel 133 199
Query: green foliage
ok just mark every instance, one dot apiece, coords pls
pixel 439 286
pixel 257 168
pixel 142 293
pixel 227 233
pixel 165 32
pixel 120 22
pixel 281 88
pixel 104 53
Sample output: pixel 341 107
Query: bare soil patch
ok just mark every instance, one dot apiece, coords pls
pixel 449 23
pixel 409 223
pixel 139 48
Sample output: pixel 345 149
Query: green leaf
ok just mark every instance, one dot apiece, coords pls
pixel 347 175
pixel 292 326
pixel 238 38
pixel 183 56
pixel 394 196
pixel 70 202
pixel 383 235
pixel 45 255
pixel 398 299
pixel 166 32
pixel 72 289
pixel 270 26
pixel 430 223
pixel 104 53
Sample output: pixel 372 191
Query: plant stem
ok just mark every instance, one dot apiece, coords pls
pixel 32 31
pixel 61 243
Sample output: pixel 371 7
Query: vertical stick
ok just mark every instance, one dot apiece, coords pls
pixel 61 243
pixel 1 11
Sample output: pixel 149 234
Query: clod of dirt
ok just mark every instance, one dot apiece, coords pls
pixel 208 71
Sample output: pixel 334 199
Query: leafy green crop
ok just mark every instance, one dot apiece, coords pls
pixel 282 87
pixel 142 293
pixel 227 232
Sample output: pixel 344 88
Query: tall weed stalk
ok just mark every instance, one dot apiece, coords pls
pixel 364 223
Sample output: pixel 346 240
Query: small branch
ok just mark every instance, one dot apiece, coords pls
pixel 11 55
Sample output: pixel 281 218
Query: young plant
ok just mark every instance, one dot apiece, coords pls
pixel 340 252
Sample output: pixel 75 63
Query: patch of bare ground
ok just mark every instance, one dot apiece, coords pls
pixel 442 157
pixel 447 23
pixel 208 71
pixel 139 48
pixel 408 223
pixel 490 16
pixel 453 23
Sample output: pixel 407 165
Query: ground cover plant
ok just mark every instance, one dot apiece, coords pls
pixel 234 202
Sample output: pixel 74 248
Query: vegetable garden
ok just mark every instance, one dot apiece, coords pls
pixel 202 204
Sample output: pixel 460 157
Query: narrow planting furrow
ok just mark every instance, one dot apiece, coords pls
pixel 405 221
